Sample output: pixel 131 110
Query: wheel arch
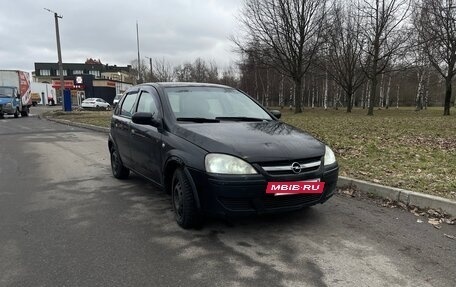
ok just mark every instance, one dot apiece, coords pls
pixel 171 165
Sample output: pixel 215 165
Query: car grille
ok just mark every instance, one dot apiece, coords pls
pixel 285 167
pixel 269 202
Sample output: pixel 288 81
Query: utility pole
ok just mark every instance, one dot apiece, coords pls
pixel 151 71
pixel 59 53
pixel 139 58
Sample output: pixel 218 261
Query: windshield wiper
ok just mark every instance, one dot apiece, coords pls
pixel 198 120
pixel 241 119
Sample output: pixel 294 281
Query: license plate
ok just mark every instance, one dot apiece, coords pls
pixel 314 186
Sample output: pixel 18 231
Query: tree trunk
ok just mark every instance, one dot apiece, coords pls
pixel 281 103
pixel 349 99
pixel 388 90
pixel 397 96
pixel 446 109
pixel 325 100
pixel 419 92
pixel 256 84
pixel 426 91
pixel 290 98
pixel 297 95
pixel 382 93
pixel 372 96
pixel 313 92
pixel 267 88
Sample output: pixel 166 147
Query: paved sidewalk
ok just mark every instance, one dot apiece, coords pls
pixel 410 198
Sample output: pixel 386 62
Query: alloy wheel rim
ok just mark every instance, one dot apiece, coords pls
pixel 178 202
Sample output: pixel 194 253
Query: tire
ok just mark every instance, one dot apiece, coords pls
pixel 185 210
pixel 16 113
pixel 25 113
pixel 118 169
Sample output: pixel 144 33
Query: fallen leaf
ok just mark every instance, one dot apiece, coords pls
pixel 449 221
pixel 449 236
pixel 433 221
pixel 403 205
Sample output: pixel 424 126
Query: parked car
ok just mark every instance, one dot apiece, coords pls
pixel 95 103
pixel 116 99
pixel 217 151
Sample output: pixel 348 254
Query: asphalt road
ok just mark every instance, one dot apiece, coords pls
pixel 65 221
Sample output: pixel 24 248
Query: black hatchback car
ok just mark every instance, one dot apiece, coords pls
pixel 217 151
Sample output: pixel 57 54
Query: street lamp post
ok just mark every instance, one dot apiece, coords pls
pixel 151 71
pixel 139 58
pixel 59 53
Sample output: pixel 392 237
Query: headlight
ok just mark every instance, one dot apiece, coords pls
pixel 8 105
pixel 227 164
pixel 330 158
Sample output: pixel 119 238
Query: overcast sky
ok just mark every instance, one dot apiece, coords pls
pixel 178 30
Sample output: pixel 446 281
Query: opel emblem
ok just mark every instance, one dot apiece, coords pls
pixel 296 167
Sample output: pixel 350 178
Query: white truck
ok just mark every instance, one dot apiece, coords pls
pixel 43 93
pixel 15 96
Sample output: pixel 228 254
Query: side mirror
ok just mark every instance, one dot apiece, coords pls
pixel 276 113
pixel 145 119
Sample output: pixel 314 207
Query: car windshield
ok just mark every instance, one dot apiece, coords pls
pixel 213 103
pixel 6 92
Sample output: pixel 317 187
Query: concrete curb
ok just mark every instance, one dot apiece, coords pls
pixel 79 125
pixel 406 196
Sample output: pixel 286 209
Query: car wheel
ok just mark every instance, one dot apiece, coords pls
pixel 184 205
pixel 118 169
pixel 25 113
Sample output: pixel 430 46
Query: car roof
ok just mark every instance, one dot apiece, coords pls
pixel 185 84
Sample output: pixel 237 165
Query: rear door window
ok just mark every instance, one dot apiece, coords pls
pixel 127 108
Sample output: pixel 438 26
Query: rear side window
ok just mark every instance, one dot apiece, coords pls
pixel 128 105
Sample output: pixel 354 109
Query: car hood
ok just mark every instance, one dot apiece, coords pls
pixel 254 142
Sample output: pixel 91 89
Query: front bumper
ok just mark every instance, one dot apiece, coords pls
pixel 6 109
pixel 229 195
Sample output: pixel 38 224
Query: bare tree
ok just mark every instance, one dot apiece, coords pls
pixel 183 73
pixel 163 70
pixel 344 51
pixel 384 31
pixel 285 35
pixel 199 70
pixel 134 71
pixel 437 28
pixel 229 77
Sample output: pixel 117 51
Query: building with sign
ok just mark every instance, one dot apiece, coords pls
pixel 93 80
